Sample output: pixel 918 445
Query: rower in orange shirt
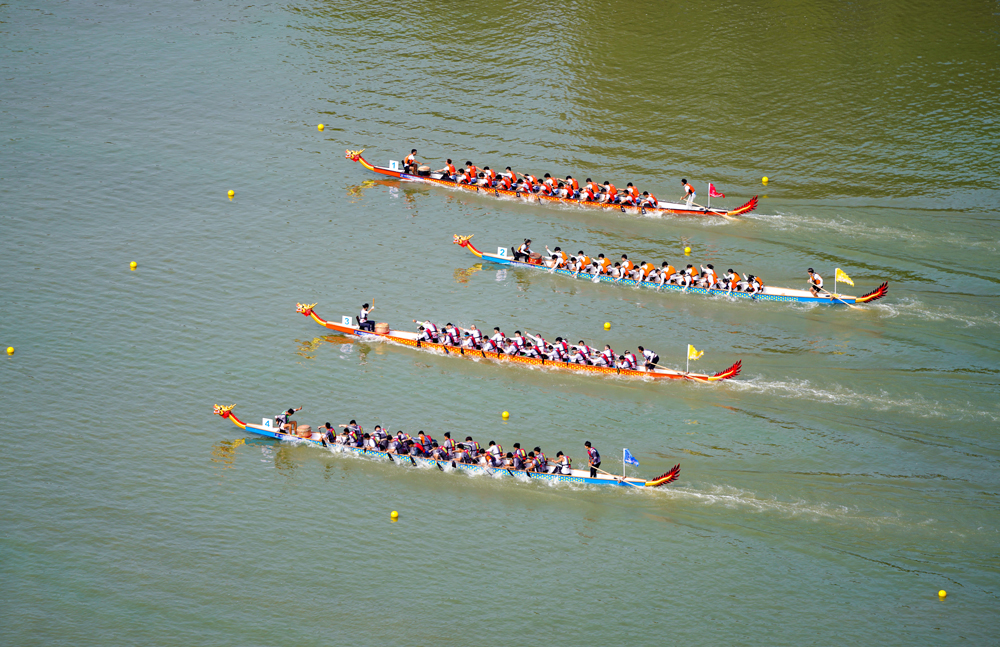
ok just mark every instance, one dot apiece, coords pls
pixel 449 171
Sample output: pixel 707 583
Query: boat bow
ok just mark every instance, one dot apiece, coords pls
pixel 227 412
pixel 464 241
pixel 666 477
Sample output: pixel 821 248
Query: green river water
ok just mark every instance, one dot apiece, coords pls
pixel 826 495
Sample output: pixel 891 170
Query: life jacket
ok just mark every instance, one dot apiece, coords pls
pixel 688 189
pixel 593 455
pixel 506 182
pixel 573 183
pixel 451 337
pixel 490 346
pixel 609 356
pixel 816 279
pixel 362 316
pixel 584 260
pixel 736 278
pixel 594 187
pixel 477 335
pixel 629 199
pixel 627 265
pixel 550 182
pixel 604 263
pixel 473 170
pixel 647 268
pixel 410 159
pixel 518 462
pixel 430 329
pixel 632 191
pixel 652 200
pixel 492 175
pixel 629 359
pixel 612 192
pixel 530 179
pixel 759 282
pixel 520 452
pixel 449 444
pixel 670 271
pixel 564 463
pixel 713 276
pixel 585 350
pixel 545 189
pixel 588 195
pixel 451 169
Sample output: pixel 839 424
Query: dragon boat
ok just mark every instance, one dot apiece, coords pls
pixel 504 256
pixel 406 338
pixel 394 170
pixel 583 477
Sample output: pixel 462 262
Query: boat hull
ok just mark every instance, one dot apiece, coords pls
pixel 579 477
pixel 409 339
pixel 663 209
pixel 768 294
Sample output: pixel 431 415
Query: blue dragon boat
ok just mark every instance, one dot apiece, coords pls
pixel 582 477
pixel 504 256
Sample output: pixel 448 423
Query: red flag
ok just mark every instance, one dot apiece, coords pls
pixel 712 193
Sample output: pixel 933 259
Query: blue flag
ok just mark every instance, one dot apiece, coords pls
pixel 629 458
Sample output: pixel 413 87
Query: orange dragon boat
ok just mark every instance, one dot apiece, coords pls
pixel 406 338
pixel 664 208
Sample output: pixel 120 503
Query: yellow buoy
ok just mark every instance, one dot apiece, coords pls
pixel 133 265
pixel 505 415
pixel 231 193
pixel 942 593
pixel 687 251
pixel 763 180
pixel 607 325
pixel 394 514
pixel 319 127
pixel 10 350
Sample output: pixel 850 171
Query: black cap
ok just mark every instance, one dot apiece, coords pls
pixel 586 444
pixel 810 270
pixel 684 181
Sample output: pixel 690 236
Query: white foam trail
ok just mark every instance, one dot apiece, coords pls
pixel 736 498
pixel 910 307
pixel 881 401
pixel 854 229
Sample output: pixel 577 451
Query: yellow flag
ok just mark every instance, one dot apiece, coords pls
pixel 693 353
pixel 843 278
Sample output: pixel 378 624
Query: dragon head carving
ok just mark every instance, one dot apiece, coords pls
pixel 304 308
pixel 461 241
pixel 223 411
pixel 354 156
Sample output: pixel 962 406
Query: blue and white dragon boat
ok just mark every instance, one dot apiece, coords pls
pixel 581 477
pixel 504 256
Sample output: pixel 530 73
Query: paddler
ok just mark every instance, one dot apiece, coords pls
pixel 649 200
pixel 593 459
pixel 471 169
pixel 428 331
pixel 607 358
pixel 557 257
pixel 363 322
pixel 815 282
pixel 448 171
pixel 710 269
pixel 411 159
pixel 689 193
pixel 542 463
pixel 563 464
pixel 573 185
pixel 627 361
pixel 731 279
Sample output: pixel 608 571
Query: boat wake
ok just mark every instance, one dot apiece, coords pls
pixel 881 401
pixel 736 498
pixel 909 307
pixel 853 229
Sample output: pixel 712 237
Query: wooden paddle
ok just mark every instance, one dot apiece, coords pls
pixel 620 479
pixel 842 301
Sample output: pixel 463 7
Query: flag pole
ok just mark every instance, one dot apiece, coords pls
pixel 623 462
pixel 687 368
pixel 836 275
pixel 709 195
